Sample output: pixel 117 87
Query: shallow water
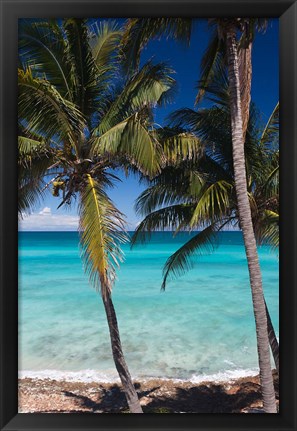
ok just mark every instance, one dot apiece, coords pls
pixel 201 326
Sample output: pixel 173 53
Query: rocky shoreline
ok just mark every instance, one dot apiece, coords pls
pixel 156 396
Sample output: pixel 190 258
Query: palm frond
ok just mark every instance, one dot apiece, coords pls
pixel 105 46
pixel 101 229
pixel 164 218
pixel 30 194
pixel 212 127
pixel 214 80
pixel 216 89
pixel 182 260
pixel 29 148
pixel 43 47
pixel 32 166
pixel 175 184
pixel 87 86
pixel 180 146
pixel 256 157
pixel 139 31
pixel 270 134
pixel 152 85
pixel 160 194
pixel 267 229
pixel 211 64
pixel 270 186
pixel 45 111
pixel 130 139
pixel 213 203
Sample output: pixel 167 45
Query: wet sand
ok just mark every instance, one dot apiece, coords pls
pixel 156 396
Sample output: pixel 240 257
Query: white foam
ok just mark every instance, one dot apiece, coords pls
pixel 224 376
pixel 89 376
pixel 86 376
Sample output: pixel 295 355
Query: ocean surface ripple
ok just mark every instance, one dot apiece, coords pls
pixel 201 328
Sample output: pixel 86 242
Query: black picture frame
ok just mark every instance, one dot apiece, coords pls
pixel 11 10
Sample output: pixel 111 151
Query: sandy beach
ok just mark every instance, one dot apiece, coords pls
pixel 156 396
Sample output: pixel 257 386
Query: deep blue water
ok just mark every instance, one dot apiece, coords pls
pixel 202 325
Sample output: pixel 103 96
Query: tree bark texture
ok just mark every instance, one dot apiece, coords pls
pixel 245 218
pixel 245 74
pixel 118 356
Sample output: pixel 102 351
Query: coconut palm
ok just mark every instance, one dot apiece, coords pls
pixel 207 185
pixel 137 35
pixel 79 119
pixel 229 30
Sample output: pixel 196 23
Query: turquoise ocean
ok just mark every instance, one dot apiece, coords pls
pixel 201 327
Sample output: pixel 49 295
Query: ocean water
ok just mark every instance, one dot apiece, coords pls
pixel 201 327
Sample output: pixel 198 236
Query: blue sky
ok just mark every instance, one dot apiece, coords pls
pixel 185 61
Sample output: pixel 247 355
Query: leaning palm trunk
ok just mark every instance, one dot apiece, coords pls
pixel 245 218
pixel 119 360
pixel 272 340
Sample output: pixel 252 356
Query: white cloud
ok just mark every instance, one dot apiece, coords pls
pixel 45 211
pixel 44 220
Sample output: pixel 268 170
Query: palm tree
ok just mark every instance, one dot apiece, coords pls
pixel 137 35
pixel 78 119
pixel 200 193
pixel 229 29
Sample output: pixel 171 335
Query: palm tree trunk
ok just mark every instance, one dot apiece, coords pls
pixel 245 74
pixel 272 340
pixel 245 218
pixel 118 356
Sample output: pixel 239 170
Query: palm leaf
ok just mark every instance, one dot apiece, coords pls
pixel 216 88
pixel 164 218
pixel 175 184
pixel 43 46
pixel 29 148
pixel 129 138
pixel 104 42
pixel 105 46
pixel 87 86
pixel 182 260
pixel 180 146
pixel 211 64
pixel 213 128
pixel 139 31
pixel 44 111
pixel 157 196
pixel 32 168
pixel 270 187
pixel 213 203
pixel 101 233
pixel 270 133
pixel 150 86
pixel 267 230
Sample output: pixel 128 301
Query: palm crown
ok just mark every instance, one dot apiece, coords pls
pixel 78 119
pixel 199 194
